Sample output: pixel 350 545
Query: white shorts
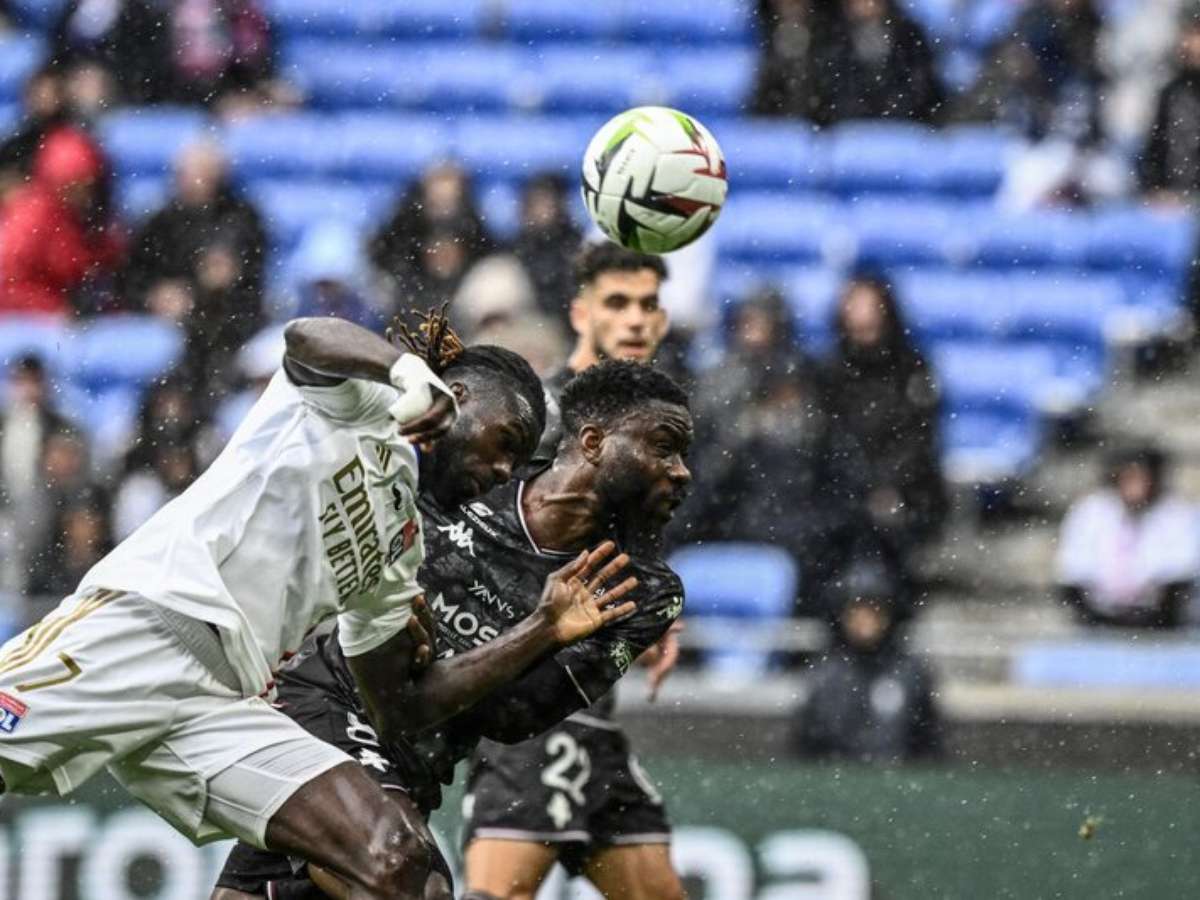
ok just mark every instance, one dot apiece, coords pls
pixel 110 680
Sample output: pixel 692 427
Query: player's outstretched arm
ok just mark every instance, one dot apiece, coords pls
pixel 576 601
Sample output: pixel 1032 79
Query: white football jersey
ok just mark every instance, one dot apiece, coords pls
pixel 308 512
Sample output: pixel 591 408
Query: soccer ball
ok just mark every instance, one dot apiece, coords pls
pixel 653 179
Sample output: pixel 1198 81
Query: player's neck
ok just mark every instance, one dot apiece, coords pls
pixel 582 357
pixel 561 508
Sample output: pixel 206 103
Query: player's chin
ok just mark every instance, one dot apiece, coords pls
pixel 634 352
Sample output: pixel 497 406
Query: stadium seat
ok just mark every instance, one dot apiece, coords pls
pixel 1072 309
pixel 337 74
pixel 388 146
pixel 972 159
pixel 902 231
pixel 378 18
pixel 128 350
pixel 570 78
pixel 37 13
pixel 19 56
pixel 689 23
pixel 1042 238
pixel 988 446
pixel 288 206
pixel 879 157
pixel 10 118
pixel 559 20
pixel 989 375
pixel 499 207
pixel 1102 663
pixel 717 81
pixel 1149 241
pixel 776 155
pixel 140 195
pixel 944 304
pixel 147 140
pixel 300 144
pixel 515 147
pixel 753 583
pixel 775 228
pixel 43 336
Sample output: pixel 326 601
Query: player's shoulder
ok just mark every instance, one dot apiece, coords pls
pixel 660 584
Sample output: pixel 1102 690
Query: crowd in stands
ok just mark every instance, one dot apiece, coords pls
pixel 833 458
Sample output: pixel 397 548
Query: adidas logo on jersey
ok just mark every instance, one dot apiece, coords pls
pixel 460 536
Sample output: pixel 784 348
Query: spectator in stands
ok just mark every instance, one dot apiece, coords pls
pixel 210 52
pixel 200 259
pixel 432 236
pixel 1169 167
pixel 879 390
pixel 59 246
pixel 867 699
pixel 547 242
pixel 787 80
pixel 44 110
pixel 80 537
pixel 875 63
pixel 332 277
pixel 769 466
pixel 172 414
pixel 144 491
pixel 1129 553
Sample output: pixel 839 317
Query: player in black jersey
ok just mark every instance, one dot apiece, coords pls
pixel 576 795
pixel 619 473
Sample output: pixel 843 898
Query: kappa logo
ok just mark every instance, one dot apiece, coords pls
pixel 479 508
pixel 673 608
pixel 460 536
pixel 12 711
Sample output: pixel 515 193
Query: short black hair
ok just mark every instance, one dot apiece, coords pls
pixel 604 256
pixel 490 363
pixel 611 389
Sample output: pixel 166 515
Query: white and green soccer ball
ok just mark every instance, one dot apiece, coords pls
pixel 654 179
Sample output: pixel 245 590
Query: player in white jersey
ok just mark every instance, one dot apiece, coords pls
pixel 159 666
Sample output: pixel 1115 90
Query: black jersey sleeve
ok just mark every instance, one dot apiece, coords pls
pixel 596 663
pixel 576 676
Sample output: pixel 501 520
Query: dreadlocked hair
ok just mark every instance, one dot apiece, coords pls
pixel 434 341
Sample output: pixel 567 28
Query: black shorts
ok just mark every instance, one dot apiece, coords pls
pixel 331 718
pixel 578 787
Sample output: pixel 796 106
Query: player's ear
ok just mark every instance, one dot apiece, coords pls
pixel 578 314
pixel 591 442
pixel 459 390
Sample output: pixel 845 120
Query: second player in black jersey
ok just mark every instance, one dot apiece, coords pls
pixel 620 473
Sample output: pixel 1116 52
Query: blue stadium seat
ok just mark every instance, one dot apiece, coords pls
pixel 580 78
pixel 147 140
pixel 345 74
pixel 123 350
pixel 1043 238
pixel 513 148
pixel 972 159
pixel 715 81
pixel 461 77
pixel 988 446
pixel 500 208
pixel 793 229
pixel 19 56
pixel 289 206
pixel 44 336
pixel 869 157
pixel 1099 663
pixel 10 118
pixel 299 144
pixel 689 23
pixel 38 13
pixel 558 20
pixel 1073 309
pixel 378 18
pixel 987 21
pixel 388 146
pixel 762 154
pixel 903 230
pixel 750 582
pixel 140 195
pixel 1142 239
pixel 989 375
pixel 944 304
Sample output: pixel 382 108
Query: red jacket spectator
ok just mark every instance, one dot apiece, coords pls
pixel 50 241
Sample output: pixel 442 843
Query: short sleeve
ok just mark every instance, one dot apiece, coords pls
pixel 362 630
pixel 352 400
pixel 596 663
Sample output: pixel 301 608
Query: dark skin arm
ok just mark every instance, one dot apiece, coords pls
pixel 326 351
pixel 575 603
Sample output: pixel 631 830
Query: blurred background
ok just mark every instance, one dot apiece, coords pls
pixel 943 543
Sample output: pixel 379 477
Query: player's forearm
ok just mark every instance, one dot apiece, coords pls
pixel 339 349
pixel 452 685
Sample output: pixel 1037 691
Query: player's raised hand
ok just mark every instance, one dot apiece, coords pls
pixel 577 599
pixel 423 632
pixel 431 424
